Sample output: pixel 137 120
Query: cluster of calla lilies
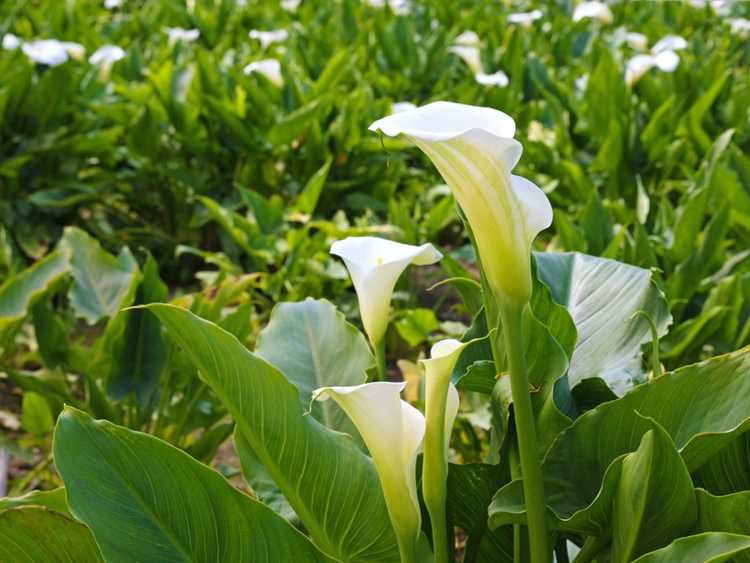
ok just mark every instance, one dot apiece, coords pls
pixel 474 151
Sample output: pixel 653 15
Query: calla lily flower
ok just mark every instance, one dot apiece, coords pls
pixel 11 42
pixel 582 82
pixel 525 19
pixel 375 264
pixel 636 41
pixel 52 52
pixel 112 4
pixel 639 65
pixel 474 151
pixel 290 5
pixel 498 78
pixel 669 43
pixel 268 38
pixel 393 431
pixel 107 55
pixel 470 54
pixel 593 10
pixel 270 68
pixel 399 7
pixel 176 34
pixel 740 26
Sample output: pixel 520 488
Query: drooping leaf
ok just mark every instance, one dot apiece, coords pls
pixel 145 500
pixel 54 500
pixel 32 534
pixel 711 547
pixel 103 283
pixel 335 490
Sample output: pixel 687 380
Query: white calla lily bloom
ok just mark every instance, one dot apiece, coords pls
pixel 593 10
pixel 393 431
pixel 176 34
pixel 663 56
pixel 525 19
pixel 107 55
pixel 11 42
pixel 290 5
pixel 375 264
pixel 739 26
pixel 270 68
pixel 268 38
pixel 636 41
pixel 669 43
pixel 468 39
pixel 474 151
pixel 112 4
pixel 52 52
pixel 498 78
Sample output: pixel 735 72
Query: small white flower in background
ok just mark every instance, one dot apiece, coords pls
pixel 582 82
pixel 498 78
pixel 375 264
pixel 663 56
pixel 107 55
pixel 241 3
pixel 399 7
pixel 176 34
pixel 267 38
pixel 474 150
pixel 270 68
pixel 398 107
pixel 636 41
pixel 52 52
pixel 11 42
pixel 525 19
pixel 393 431
pixel 593 10
pixel 290 5
pixel 740 26
pixel 466 47
pixel 112 4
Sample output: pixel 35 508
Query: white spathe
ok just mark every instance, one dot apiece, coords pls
pixel 375 264
pixel 740 26
pixel 268 38
pixel 669 43
pixel 11 42
pixel 393 431
pixel 399 7
pixel 52 52
pixel 112 4
pixel 176 34
pixel 290 5
pixel 592 10
pixel 270 68
pixel 107 55
pixel 663 56
pixel 474 151
pixel 498 78
pixel 468 38
pixel 525 19
pixel 636 41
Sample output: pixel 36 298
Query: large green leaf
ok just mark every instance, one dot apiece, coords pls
pixel 21 291
pixel 725 513
pixel 712 547
pixel 311 343
pixel 35 534
pixel 54 500
pixel 103 283
pixel 332 486
pixel 701 407
pixel 602 296
pixel 145 500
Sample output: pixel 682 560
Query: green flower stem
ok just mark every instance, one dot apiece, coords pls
pixel 533 485
pixel 380 358
pixel 434 466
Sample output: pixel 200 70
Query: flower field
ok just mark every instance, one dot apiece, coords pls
pixel 414 281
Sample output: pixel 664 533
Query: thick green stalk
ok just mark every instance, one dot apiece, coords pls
pixel 434 466
pixel 533 485
pixel 380 359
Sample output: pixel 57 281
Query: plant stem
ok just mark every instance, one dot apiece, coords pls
pixel 591 548
pixel 533 485
pixel 434 466
pixel 380 358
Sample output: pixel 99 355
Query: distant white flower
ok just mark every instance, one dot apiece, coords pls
pixel 398 107
pixel 669 43
pixel 399 7
pixel 466 48
pixel 267 38
pixel 525 19
pixel 467 39
pixel 270 68
pixel 52 52
pixel 593 10
pixel 11 42
pixel 176 34
pixel 112 4
pixel 740 26
pixel 582 82
pixel 663 57
pixel 290 5
pixel 636 41
pixel 241 3
pixel 498 78
pixel 107 55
